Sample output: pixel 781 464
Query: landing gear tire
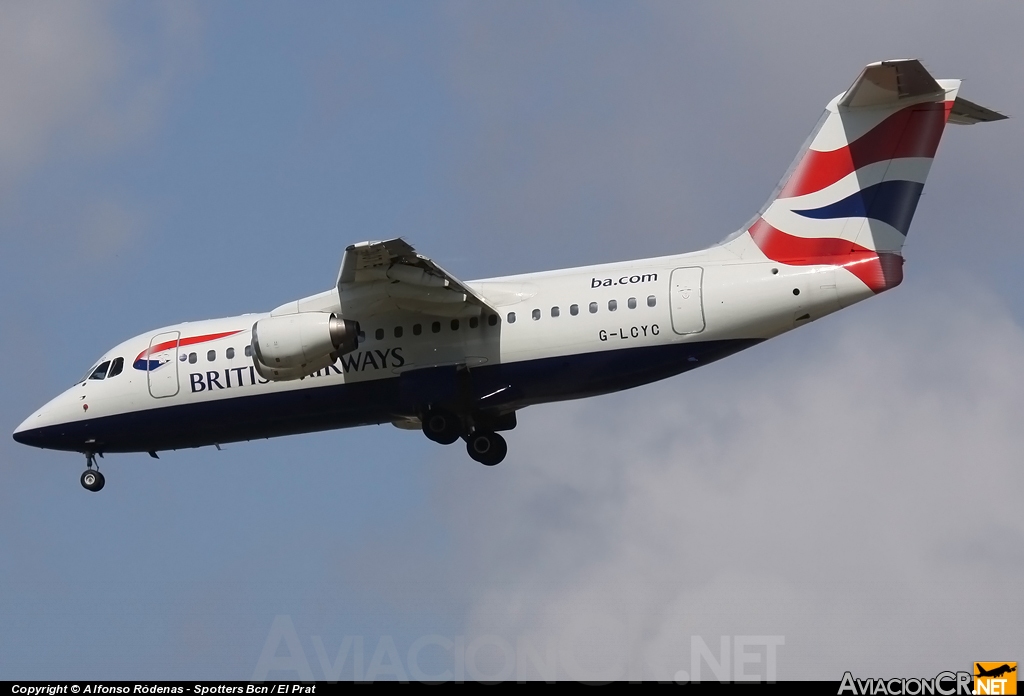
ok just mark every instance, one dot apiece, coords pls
pixel 441 426
pixel 486 447
pixel 92 480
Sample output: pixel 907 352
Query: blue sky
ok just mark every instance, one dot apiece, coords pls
pixel 170 162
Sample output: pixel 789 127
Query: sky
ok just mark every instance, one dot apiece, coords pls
pixel 844 497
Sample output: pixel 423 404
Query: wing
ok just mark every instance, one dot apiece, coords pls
pixel 379 277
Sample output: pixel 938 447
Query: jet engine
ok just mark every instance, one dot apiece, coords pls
pixel 295 345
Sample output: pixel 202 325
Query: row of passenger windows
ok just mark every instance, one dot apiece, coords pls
pixel 492 320
pixel 454 324
pixel 112 368
pixel 435 327
pixel 417 329
pixel 211 355
pixel 613 305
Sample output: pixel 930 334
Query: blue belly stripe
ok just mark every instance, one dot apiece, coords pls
pixel 272 414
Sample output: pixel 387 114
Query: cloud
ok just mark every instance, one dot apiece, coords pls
pixel 74 80
pixel 852 488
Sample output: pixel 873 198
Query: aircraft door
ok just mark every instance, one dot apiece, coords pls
pixel 162 365
pixel 687 300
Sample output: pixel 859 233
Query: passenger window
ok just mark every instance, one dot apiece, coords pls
pixel 192 358
pixel 574 309
pixel 593 308
pixel 554 311
pixel 651 300
pixel 612 305
pixel 211 355
pixel 455 324
pixel 436 327
pixel 492 320
pixel 398 332
pixel 417 329
pixel 536 314
pixel 473 322
pixel 248 351
pixel 632 303
pixel 101 371
pixel 511 317
pixel 230 353
pixel 379 334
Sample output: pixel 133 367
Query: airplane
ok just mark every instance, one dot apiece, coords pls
pixel 996 672
pixel 399 339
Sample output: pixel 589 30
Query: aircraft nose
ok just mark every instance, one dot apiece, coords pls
pixel 45 427
pixel 24 434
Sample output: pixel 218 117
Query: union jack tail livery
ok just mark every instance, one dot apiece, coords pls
pixel 850 195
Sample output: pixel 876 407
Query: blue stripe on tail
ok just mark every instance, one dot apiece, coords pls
pixel 891 202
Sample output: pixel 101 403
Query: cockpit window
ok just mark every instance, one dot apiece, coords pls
pixel 101 370
pixel 116 367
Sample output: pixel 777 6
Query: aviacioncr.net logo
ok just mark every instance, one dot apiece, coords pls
pixel 943 684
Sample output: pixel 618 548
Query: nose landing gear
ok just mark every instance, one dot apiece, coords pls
pixel 92 479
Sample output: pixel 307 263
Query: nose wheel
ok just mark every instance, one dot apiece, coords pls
pixel 92 479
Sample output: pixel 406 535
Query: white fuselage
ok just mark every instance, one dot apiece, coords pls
pixel 557 335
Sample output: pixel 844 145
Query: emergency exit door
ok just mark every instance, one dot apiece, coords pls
pixel 162 365
pixel 687 300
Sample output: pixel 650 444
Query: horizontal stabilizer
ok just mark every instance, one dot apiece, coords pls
pixel 889 82
pixel 966 113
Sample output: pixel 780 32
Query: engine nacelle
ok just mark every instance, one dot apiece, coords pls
pixel 284 374
pixel 295 345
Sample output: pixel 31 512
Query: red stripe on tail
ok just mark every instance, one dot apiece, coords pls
pixel 880 272
pixel 923 123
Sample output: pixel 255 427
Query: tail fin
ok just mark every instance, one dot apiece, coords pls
pixel 850 195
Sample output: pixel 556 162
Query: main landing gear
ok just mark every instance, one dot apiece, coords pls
pixel 441 426
pixel 486 447
pixel 92 479
pixel 445 427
